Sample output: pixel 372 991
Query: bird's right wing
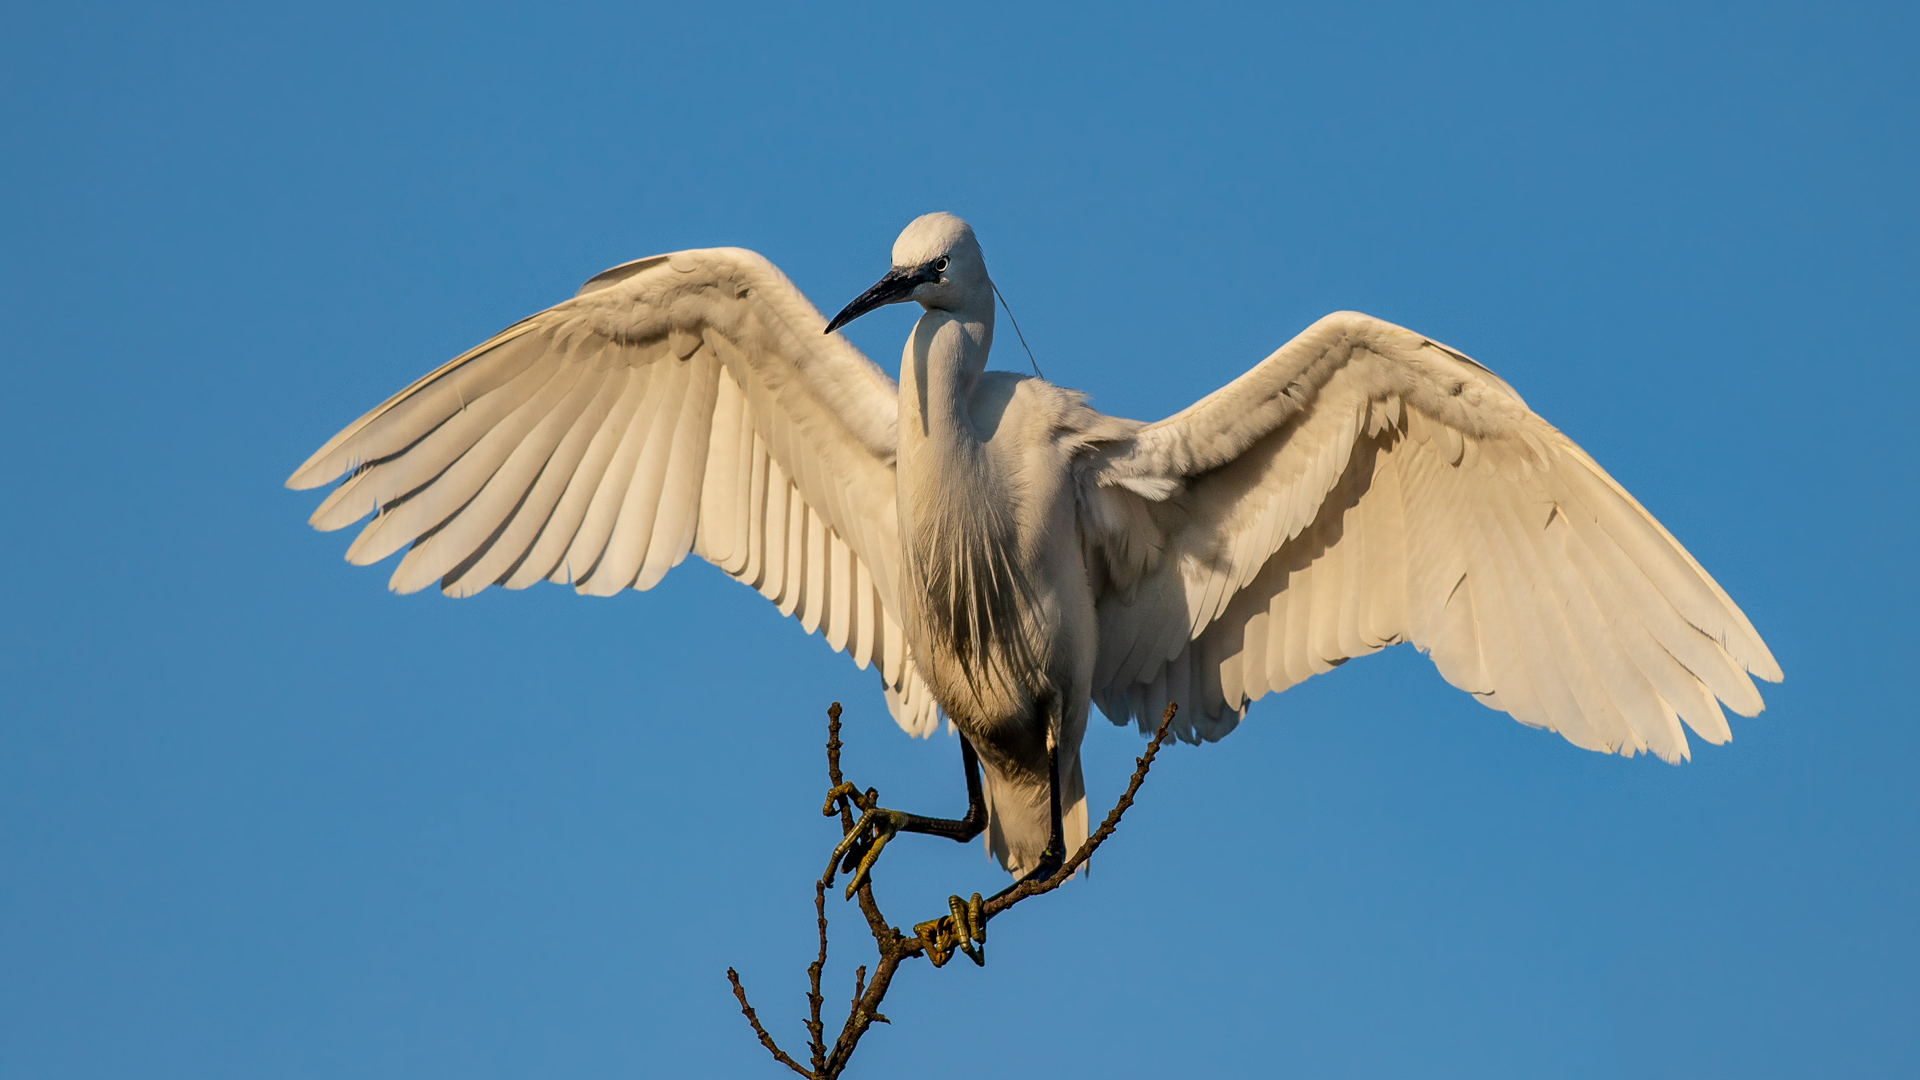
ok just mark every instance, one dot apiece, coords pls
pixel 686 402
pixel 1366 485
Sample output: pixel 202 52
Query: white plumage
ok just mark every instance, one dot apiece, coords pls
pixel 999 550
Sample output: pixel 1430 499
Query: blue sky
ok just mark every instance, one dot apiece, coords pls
pixel 258 817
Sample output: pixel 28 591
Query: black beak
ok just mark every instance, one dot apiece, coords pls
pixel 888 290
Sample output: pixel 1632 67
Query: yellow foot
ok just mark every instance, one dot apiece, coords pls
pixel 964 928
pixel 860 848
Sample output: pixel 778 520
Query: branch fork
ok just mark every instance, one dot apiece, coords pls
pixel 963 929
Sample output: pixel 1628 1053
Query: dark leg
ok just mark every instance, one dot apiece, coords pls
pixel 1055 854
pixel 860 847
pixel 965 927
pixel 966 828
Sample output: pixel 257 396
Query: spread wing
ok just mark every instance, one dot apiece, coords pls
pixel 1365 486
pixel 686 402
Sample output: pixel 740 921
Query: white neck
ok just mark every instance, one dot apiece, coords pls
pixel 939 369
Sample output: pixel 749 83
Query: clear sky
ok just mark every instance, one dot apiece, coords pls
pixel 261 818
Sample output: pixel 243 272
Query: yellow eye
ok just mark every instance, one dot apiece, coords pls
pixel 940 265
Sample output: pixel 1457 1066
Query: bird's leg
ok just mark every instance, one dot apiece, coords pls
pixel 959 829
pixel 965 926
pixel 1056 851
pixel 860 848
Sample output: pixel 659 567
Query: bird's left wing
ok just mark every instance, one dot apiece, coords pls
pixel 686 402
pixel 1366 485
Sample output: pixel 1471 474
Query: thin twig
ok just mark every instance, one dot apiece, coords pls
pixel 833 759
pixel 895 948
pixel 766 1040
pixel 876 922
pixel 815 1030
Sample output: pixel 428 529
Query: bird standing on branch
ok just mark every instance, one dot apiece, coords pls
pixel 1005 554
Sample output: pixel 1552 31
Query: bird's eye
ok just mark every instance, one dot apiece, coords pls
pixel 940 265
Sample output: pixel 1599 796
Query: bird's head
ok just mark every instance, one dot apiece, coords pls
pixel 936 262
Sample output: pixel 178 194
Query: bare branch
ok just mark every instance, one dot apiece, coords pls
pixel 766 1040
pixel 894 947
pixel 815 1029
pixel 834 779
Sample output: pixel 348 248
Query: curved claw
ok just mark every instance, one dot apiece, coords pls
pixel 974 941
pixel 846 790
pixel 851 842
pixel 885 830
pixel 964 927
pixel 861 846
pixel 847 844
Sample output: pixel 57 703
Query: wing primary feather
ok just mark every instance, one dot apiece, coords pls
pixel 773 584
pixel 1693 646
pixel 445 470
pixel 758 513
pixel 504 494
pixel 721 494
pixel 864 601
pixel 679 504
pixel 839 615
pixel 400 421
pixel 546 559
pixel 505 555
pixel 1533 645
pixel 1587 696
pixel 1613 647
pixel 626 546
pixel 1688 587
pixel 749 499
pixel 813 603
pixel 796 553
pixel 595 539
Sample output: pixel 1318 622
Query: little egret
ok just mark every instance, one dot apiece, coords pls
pixel 1005 554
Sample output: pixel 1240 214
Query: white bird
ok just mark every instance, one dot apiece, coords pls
pixel 1005 554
